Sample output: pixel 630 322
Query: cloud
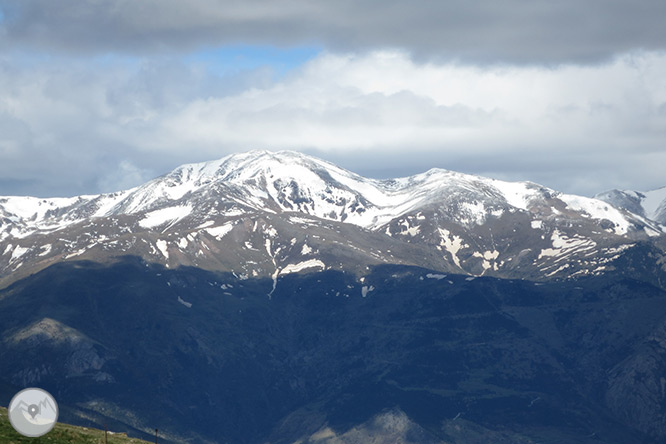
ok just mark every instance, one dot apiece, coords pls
pixel 73 128
pixel 485 31
pixel 125 176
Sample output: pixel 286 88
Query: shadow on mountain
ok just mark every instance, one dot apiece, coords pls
pixel 405 354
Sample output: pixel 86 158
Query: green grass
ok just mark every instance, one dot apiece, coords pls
pixel 61 434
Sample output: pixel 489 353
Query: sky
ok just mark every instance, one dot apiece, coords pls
pixel 103 95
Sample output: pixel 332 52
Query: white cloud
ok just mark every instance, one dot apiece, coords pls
pixel 576 128
pixel 123 177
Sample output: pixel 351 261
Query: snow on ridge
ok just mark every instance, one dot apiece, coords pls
pixel 654 202
pixel 106 203
pixel 170 214
pixel 597 209
pixel 649 207
pixel 516 194
pixel 30 214
pixel 331 193
pixel 28 207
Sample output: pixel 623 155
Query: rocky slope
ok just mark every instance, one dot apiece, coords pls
pixel 407 355
pixel 267 214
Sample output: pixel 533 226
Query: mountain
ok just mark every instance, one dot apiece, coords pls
pixel 268 214
pixel 407 355
pixel 649 204
pixel 275 297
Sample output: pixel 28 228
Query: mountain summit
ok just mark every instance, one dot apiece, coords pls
pixel 275 297
pixel 264 214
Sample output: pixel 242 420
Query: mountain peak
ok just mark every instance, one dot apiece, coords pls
pixel 649 204
pixel 442 219
pixel 242 167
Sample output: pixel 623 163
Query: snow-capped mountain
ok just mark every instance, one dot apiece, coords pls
pixel 265 214
pixel 649 204
pixel 127 293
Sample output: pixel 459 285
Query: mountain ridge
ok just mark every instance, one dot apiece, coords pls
pixel 650 204
pixel 273 297
pixel 251 208
pixel 206 356
pixel 240 169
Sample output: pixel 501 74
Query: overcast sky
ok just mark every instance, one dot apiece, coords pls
pixel 102 95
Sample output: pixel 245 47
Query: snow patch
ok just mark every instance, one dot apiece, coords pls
pixel 76 253
pixel 435 276
pixel 408 229
pixel 452 244
pixel 162 246
pixel 366 289
pixel 564 245
pixel 491 255
pixel 18 252
pixel 185 303
pixel 654 203
pixel 164 215
pixel 651 232
pixel 221 231
pixel 295 268
pixel 475 212
pixel 302 220
pixel 46 250
pixel 516 194
pixel 597 209
pixel 487 257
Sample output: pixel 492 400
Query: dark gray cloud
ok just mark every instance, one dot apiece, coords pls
pixel 97 96
pixel 508 31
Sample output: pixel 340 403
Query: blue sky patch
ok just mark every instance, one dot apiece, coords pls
pixel 233 59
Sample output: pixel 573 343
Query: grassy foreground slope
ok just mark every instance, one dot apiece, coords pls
pixel 61 433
